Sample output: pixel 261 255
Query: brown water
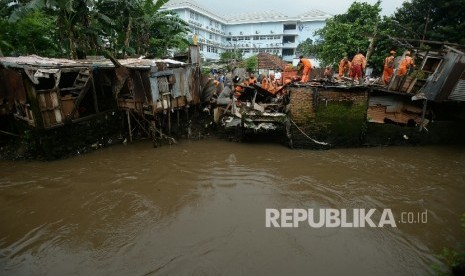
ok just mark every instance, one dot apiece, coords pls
pixel 198 208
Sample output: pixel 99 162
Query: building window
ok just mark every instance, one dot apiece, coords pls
pixel 210 36
pixel 289 39
pixel 211 22
pixel 288 52
pixel 290 27
pixel 192 15
pixel 196 16
pixel 256 37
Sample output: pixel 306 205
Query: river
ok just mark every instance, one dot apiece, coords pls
pixel 198 208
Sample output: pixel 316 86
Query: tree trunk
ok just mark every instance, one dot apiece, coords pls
pixel 72 48
pixel 372 44
pixel 128 35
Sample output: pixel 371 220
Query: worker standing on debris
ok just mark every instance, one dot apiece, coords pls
pixel 252 80
pixel 405 64
pixel 269 83
pixel 359 63
pixel 344 68
pixel 328 73
pixel 388 67
pixel 307 68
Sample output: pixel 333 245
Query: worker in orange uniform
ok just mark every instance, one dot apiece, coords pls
pixel 269 83
pixel 405 64
pixel 388 67
pixel 359 62
pixel 252 80
pixel 307 68
pixel 344 67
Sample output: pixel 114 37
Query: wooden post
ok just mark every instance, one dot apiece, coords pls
pixel 129 126
pixel 423 113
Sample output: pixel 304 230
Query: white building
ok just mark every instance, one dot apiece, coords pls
pixel 251 33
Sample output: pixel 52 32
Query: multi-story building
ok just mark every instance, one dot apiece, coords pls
pixel 251 33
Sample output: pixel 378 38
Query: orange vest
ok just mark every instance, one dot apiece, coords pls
pixel 359 59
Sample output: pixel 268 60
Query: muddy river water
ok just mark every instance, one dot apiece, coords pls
pixel 199 208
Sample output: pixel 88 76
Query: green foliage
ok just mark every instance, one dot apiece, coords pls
pixel 347 33
pixel 453 259
pixel 83 27
pixel 251 64
pixel 228 56
pixel 307 48
pixel 34 33
pixel 432 20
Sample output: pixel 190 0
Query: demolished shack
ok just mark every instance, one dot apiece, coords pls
pixel 48 93
pixel 424 95
pixel 425 106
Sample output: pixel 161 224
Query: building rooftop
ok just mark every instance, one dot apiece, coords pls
pixel 248 17
pixel 176 4
pixel 256 16
pixel 38 61
pixel 269 61
pixel 314 14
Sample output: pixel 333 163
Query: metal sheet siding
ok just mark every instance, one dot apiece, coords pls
pixel 458 94
pixel 154 88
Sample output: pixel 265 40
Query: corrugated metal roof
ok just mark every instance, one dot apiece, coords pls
pixel 314 14
pixel 250 17
pixel 458 94
pixel 177 4
pixel 256 16
pixel 38 61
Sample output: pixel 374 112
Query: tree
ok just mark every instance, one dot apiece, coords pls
pixel 228 56
pixel 307 48
pixel 139 27
pixel 251 64
pixel 32 33
pixel 80 27
pixel 432 20
pixel 73 21
pixel 347 33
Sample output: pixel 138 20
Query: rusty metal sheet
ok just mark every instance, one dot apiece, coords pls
pixel 146 82
pixel 122 73
pixel 194 85
pixel 194 54
pixel 139 90
pixel 14 86
pixel 187 83
pixel 181 86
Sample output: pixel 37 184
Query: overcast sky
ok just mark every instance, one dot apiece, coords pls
pixel 291 7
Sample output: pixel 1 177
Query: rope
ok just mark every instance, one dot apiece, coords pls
pixel 305 134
